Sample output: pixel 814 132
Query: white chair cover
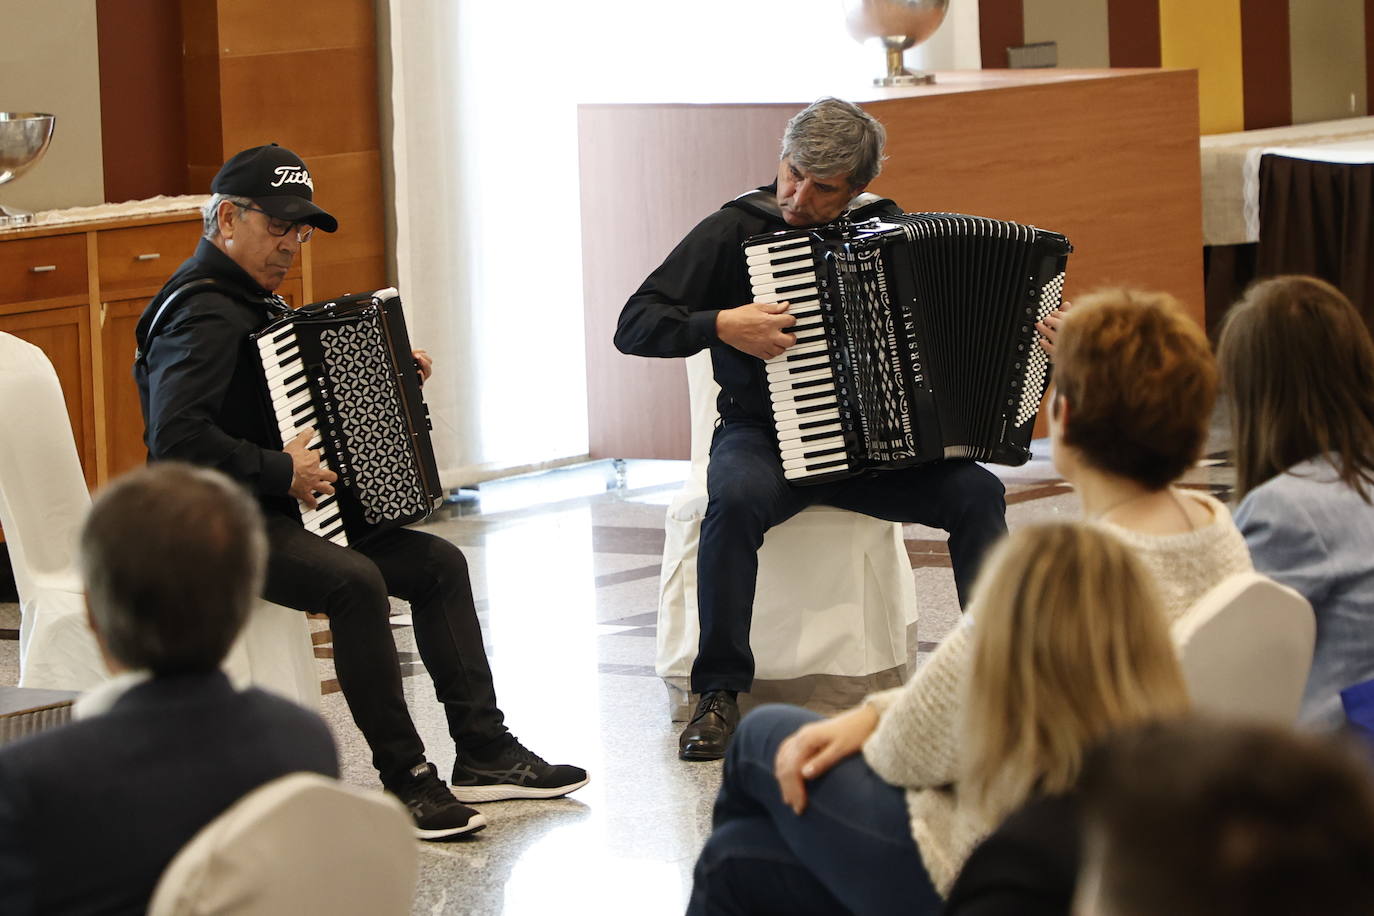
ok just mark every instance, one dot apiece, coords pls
pixel 1246 649
pixel 835 592
pixel 301 844
pixel 43 503
pixel 274 652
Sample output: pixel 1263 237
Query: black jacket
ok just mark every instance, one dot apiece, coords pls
pixel 1027 867
pixel 199 384
pixel 673 313
pixel 92 812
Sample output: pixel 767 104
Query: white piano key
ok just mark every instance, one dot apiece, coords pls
pixel 795 296
pixel 788 381
pixel 812 462
pixel 276 374
pixel 285 402
pixel 812 449
pixel 777 246
pixel 815 411
pixel 792 437
pixel 805 424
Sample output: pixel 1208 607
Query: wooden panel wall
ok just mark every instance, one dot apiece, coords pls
pixel 142 124
pixel 309 83
pixel 1133 33
pixel 1110 158
pixel 638 407
pixel 1267 64
pixel 1000 26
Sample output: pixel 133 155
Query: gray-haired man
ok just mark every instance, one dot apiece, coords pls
pixel 701 297
pixel 91 813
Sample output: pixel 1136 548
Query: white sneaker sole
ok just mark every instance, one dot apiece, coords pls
pixel 505 792
pixel 475 823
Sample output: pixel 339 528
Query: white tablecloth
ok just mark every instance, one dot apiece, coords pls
pixel 1230 169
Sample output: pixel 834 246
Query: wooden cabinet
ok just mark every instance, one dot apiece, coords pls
pixel 76 290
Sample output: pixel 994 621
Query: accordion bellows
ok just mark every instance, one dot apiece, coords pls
pixel 916 340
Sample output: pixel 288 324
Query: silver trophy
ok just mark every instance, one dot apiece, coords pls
pixel 898 25
pixel 24 138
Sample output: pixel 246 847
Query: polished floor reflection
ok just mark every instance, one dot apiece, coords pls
pixel 565 568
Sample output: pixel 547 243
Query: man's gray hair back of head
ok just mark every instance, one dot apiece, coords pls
pixel 833 137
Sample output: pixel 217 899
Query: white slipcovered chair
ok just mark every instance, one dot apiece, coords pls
pixel 1246 649
pixel 43 503
pixel 835 593
pixel 301 844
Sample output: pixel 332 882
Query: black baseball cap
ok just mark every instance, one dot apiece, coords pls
pixel 277 181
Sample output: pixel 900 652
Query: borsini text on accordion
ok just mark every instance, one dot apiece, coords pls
pixel 915 340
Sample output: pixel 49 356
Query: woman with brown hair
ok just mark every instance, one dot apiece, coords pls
pixel 1067 645
pixel 1134 387
pixel 1297 362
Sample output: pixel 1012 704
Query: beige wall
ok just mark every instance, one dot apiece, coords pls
pixel 1079 27
pixel 1328 59
pixel 49 62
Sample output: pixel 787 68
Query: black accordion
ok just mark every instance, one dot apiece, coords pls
pixel 345 368
pixel 916 340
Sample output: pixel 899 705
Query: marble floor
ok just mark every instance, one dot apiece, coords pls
pixel 565 568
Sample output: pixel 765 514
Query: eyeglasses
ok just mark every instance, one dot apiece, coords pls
pixel 279 227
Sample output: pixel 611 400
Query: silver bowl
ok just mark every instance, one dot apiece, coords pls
pixel 898 25
pixel 24 138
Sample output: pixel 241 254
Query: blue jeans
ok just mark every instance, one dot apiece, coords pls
pixel 850 851
pixel 747 494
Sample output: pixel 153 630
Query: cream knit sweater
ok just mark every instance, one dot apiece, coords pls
pixel 916 743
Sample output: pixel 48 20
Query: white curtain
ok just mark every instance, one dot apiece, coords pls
pixel 484 148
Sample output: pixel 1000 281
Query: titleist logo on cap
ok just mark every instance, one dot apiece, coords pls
pixel 292 174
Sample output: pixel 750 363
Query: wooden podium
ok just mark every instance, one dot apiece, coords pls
pixel 1107 157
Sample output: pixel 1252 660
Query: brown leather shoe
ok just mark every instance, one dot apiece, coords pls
pixel 708 734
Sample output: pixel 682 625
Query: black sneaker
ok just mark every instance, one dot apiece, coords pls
pixel 513 772
pixel 437 814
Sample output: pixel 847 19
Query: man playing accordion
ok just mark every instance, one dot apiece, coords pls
pixel 701 296
pixel 199 386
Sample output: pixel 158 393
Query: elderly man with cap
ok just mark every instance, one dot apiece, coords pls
pixel 198 380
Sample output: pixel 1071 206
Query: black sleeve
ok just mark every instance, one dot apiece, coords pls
pixel 190 365
pixel 673 313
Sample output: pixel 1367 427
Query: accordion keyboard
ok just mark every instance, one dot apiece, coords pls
pixel 295 412
pixel 801 381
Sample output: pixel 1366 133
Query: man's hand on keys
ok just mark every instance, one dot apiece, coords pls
pixel 759 328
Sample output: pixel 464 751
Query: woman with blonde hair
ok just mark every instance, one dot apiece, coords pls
pixel 1297 362
pixel 1067 644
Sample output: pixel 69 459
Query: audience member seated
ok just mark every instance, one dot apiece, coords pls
pixel 1298 365
pixel 92 812
pixel 1135 383
pixel 1202 818
pixel 805 823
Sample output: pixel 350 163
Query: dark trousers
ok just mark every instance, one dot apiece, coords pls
pixel 747 495
pixel 850 851
pixel 351 585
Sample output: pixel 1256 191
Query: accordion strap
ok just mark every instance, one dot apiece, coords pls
pixel 191 287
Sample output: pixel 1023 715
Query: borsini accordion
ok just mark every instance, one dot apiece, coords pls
pixel 916 340
pixel 345 368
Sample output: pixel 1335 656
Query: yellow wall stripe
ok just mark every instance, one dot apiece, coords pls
pixel 1205 35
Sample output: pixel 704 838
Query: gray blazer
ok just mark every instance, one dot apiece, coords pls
pixel 1311 532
